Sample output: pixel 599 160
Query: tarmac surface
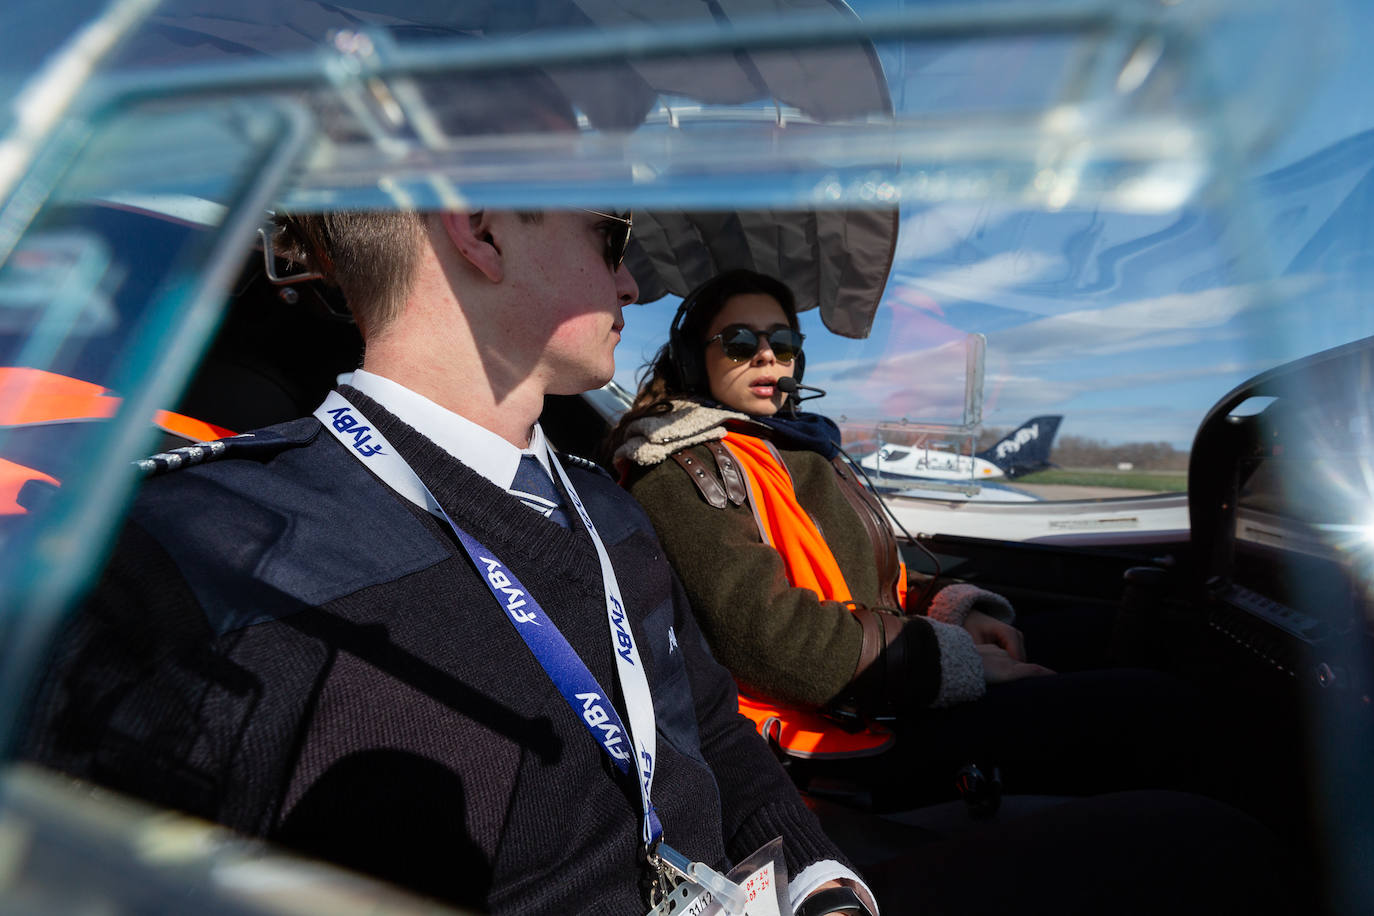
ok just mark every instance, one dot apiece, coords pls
pixel 1055 491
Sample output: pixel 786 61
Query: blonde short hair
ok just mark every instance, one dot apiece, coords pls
pixel 369 255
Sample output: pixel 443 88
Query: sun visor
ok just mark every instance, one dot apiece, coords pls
pixel 825 83
pixel 834 260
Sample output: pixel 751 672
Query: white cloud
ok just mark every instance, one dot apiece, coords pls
pixel 1163 321
pixel 930 231
pixel 1011 397
pixel 940 358
pixel 986 280
pixel 1232 369
pixel 930 382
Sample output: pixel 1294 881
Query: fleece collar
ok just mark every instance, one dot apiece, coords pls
pixel 651 440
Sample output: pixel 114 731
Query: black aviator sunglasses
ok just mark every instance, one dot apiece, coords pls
pixel 617 236
pixel 740 342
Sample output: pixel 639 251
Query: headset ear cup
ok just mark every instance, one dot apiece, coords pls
pixel 678 349
pixel 693 372
pixel 687 357
pixel 682 362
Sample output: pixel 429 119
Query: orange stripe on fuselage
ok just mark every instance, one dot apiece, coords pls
pixel 30 396
pixel 33 397
pixel 12 479
pixel 190 427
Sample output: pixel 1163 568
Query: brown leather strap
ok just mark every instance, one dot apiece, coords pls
pixel 735 487
pixel 711 489
pixel 886 559
pixel 873 640
pixel 894 661
pixel 882 661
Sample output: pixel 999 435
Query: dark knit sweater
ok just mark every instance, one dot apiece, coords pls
pixel 287 647
pixel 779 641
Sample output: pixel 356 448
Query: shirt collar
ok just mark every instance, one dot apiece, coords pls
pixel 476 446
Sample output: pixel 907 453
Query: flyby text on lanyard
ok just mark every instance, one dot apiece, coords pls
pixel 589 702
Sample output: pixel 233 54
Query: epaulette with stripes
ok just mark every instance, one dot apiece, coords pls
pixel 260 445
pixel 585 464
pixel 183 457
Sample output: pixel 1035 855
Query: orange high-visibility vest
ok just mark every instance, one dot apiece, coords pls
pixel 809 563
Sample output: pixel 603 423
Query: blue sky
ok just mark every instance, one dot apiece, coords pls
pixel 1131 325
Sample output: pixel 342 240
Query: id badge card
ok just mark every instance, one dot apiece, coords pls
pixel 757 886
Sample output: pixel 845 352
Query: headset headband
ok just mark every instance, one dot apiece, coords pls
pixel 686 357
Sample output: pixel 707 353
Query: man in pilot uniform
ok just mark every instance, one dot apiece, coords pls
pixel 338 634
pixel 402 636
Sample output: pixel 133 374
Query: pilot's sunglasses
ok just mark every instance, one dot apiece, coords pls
pixel 740 342
pixel 617 236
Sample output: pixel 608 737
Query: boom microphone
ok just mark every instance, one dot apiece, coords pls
pixel 788 385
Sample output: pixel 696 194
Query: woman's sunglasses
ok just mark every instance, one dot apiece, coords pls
pixel 617 236
pixel 740 342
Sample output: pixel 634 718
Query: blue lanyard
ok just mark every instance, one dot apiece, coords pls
pixel 551 649
pixel 578 686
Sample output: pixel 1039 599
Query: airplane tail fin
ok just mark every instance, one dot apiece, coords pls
pixel 1026 448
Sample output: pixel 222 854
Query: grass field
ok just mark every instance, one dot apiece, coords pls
pixel 1160 481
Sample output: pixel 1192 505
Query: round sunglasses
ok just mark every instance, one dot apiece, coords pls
pixel 740 342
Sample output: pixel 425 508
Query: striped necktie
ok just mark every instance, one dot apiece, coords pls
pixel 533 487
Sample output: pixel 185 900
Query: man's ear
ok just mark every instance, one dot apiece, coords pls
pixel 470 233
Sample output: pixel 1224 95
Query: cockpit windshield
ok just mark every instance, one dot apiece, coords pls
pixel 1032 242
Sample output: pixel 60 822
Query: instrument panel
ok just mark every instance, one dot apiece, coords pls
pixel 1281 500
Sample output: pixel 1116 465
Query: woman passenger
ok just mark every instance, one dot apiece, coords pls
pixel 797 581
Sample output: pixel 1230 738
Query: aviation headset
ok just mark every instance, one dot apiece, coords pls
pixel 685 355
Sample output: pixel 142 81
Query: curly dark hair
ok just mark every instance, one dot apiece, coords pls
pixel 677 370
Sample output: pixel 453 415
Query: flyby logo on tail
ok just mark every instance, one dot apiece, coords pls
pixel 1026 448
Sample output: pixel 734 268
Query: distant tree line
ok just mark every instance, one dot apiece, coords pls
pixel 1080 452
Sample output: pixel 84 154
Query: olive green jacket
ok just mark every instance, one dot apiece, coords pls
pixel 780 641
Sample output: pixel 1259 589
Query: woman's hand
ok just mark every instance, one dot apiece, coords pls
pixel 999 667
pixel 989 631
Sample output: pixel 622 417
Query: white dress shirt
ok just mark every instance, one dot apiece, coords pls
pixel 476 446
